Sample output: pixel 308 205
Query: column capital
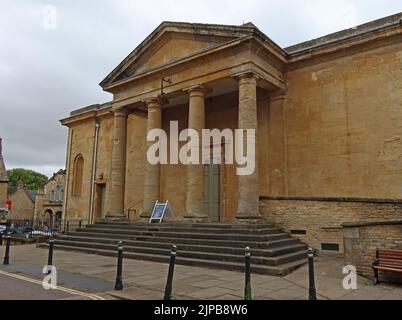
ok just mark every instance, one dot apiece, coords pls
pixel 197 90
pixel 156 102
pixel 247 75
pixel 120 112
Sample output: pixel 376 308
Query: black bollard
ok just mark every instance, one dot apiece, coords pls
pixel 50 256
pixel 247 282
pixel 1 239
pixel 6 260
pixel 8 226
pixel 169 283
pixel 119 277
pixel 311 290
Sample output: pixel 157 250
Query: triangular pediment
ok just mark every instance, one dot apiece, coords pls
pixel 173 41
pixel 173 47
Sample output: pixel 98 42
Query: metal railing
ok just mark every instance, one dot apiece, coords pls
pixel 40 227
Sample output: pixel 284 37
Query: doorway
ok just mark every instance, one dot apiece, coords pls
pixel 212 191
pixel 100 202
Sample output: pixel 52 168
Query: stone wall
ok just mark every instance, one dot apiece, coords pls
pixel 22 207
pixel 362 240
pixel 322 218
pixel 342 120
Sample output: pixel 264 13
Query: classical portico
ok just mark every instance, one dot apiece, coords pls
pixel 202 69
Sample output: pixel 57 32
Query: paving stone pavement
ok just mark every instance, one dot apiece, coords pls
pixel 144 280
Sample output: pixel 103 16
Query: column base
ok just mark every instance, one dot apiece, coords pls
pixel 145 216
pixel 196 218
pixel 250 219
pixel 115 218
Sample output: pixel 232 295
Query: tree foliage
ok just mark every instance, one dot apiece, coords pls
pixel 32 180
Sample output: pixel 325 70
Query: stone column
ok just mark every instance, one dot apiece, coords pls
pixel 152 172
pixel 248 187
pixel 116 203
pixel 195 172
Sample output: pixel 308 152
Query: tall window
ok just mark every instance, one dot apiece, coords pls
pixel 78 175
pixel 57 194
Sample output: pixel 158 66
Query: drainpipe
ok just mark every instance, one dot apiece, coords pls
pixel 93 176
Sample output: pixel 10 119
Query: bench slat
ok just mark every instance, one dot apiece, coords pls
pixel 391 252
pixel 396 266
pixel 390 260
pixel 387 268
pixel 390 255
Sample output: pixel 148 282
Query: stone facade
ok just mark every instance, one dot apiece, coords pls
pixel 49 199
pixel 318 221
pixel 362 240
pixel 327 115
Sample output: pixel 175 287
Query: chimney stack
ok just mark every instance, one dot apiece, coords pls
pixel 20 184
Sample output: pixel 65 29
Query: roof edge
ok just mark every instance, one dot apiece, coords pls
pixel 345 34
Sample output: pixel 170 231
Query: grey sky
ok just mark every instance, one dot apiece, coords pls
pixel 44 74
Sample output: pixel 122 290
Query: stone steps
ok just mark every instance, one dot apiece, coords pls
pixel 207 245
pixel 225 254
pixel 225 265
pixel 267 241
pixel 221 235
pixel 157 228
pixel 224 226
pixel 278 240
pixel 271 252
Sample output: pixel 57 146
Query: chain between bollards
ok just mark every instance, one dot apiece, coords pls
pixel 169 283
pixel 119 276
pixel 247 282
pixel 311 290
pixel 6 260
pixel 50 256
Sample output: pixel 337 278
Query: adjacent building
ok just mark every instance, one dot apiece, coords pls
pixel 49 199
pixel 22 202
pixel 327 113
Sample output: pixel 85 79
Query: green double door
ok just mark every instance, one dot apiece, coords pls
pixel 212 191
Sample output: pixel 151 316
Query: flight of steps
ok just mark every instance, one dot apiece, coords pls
pixel 273 251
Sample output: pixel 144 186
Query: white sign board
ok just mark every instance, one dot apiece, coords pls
pixel 161 211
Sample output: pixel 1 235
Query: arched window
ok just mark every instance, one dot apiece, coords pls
pixel 78 175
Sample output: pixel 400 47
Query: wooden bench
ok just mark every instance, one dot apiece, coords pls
pixel 387 260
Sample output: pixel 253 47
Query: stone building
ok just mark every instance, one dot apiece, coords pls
pixel 49 199
pixel 3 178
pixel 328 116
pixel 23 202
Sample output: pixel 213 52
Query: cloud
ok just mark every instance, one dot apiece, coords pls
pixel 47 72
